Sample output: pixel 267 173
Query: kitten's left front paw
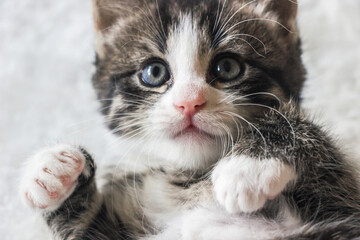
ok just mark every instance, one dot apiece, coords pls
pixel 244 184
pixel 52 175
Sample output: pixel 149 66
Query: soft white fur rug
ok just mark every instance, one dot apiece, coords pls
pixel 46 54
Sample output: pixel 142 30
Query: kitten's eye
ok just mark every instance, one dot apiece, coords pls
pixel 155 74
pixel 227 69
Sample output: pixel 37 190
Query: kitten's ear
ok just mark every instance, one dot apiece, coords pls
pixel 104 13
pixel 286 11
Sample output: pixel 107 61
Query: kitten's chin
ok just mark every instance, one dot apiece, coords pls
pixel 190 150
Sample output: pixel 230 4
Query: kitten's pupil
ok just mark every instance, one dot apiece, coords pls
pixel 227 66
pixel 156 71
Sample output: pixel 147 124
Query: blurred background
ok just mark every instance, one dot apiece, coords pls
pixel 46 55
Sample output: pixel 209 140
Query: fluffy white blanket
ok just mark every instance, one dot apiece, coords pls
pixel 46 54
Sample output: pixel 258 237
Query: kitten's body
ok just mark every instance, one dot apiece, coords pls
pixel 220 158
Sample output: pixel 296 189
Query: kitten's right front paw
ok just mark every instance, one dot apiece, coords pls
pixel 51 176
pixel 244 184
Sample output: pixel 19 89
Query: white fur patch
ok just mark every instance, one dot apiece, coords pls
pixel 183 48
pixel 210 223
pixel 244 184
pixel 183 58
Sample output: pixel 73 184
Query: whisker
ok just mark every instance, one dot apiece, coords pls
pixel 227 22
pixel 133 123
pixel 247 42
pixel 258 19
pixel 229 139
pixel 217 16
pixel 235 36
pixel 162 26
pixel 253 126
pixel 160 36
pixel 244 97
pixel 277 111
pixel 134 95
pixel 237 127
pixel 264 93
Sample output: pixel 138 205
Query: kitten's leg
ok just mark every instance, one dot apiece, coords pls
pixel 324 188
pixel 59 181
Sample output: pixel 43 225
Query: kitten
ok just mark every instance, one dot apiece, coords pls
pixel 207 94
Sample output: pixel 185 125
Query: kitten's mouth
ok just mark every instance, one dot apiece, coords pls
pixel 192 132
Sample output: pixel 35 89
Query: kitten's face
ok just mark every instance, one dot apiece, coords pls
pixel 185 77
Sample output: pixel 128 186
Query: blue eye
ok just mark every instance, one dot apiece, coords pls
pixel 227 69
pixel 155 74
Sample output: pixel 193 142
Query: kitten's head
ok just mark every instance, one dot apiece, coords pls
pixel 184 77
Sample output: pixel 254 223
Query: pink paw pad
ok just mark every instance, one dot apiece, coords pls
pixel 65 180
pixel 78 162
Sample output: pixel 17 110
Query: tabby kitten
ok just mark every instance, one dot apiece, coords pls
pixel 207 94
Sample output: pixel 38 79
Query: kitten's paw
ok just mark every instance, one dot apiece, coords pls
pixel 244 184
pixel 51 176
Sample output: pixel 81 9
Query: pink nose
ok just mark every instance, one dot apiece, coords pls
pixel 190 107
